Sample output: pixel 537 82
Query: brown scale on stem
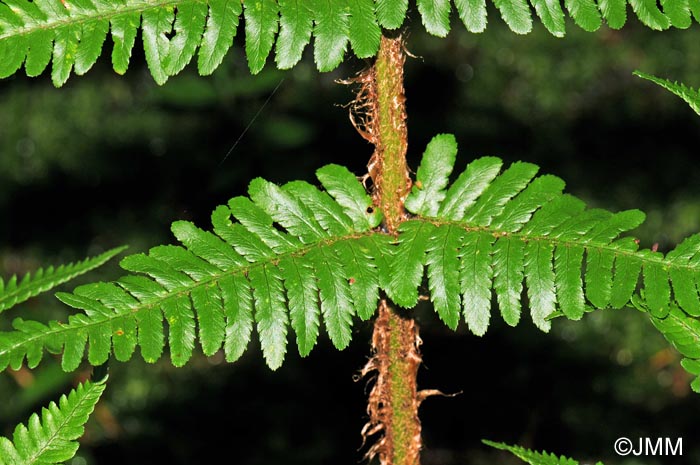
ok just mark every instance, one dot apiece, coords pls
pixel 378 113
pixel 393 401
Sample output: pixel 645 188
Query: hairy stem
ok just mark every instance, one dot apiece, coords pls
pixel 388 167
pixel 394 399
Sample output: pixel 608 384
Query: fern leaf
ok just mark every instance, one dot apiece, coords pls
pixel 585 14
pixel 51 439
pixel 541 191
pixel 15 291
pixel 330 34
pixel 209 306
pixel 539 276
pixel 567 266
pixel 614 12
pixel 157 23
pixel 627 269
pixel 678 13
pixel 327 213
pixel 432 176
pixel 516 14
pixel 90 46
pixel 336 301
pixel 473 14
pixel 124 28
pixel 656 285
pixel 504 188
pixel 238 308
pixel 189 27
pixel 406 267
pixel 508 257
pixel 363 30
pixel 302 292
pixel 296 24
pixel 533 457
pixel 261 17
pixel 296 217
pixel 288 254
pixel 552 16
pixel 691 96
pixel 270 317
pixel 470 184
pixel 443 273
pixel 344 188
pixel 391 13
pixel 265 240
pixel 475 278
pixel 222 23
pixel 436 16
pixel 599 275
pixel 649 14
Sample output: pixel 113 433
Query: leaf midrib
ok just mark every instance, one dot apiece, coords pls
pixel 559 242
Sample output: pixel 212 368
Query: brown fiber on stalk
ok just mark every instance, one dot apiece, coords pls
pixel 378 113
pixel 394 399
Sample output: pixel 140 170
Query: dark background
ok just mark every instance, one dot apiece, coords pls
pixel 109 160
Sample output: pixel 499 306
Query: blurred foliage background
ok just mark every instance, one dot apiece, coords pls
pixel 111 160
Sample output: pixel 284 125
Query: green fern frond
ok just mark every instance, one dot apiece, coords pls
pixel 688 94
pixel 513 234
pixel 533 457
pixel 295 255
pixel 71 33
pixel 15 290
pixel 52 438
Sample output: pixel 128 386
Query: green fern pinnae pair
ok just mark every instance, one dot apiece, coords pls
pixel 533 457
pixel 52 438
pixel 299 256
pixel 71 33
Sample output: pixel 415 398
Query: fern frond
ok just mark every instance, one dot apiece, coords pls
pixel 71 33
pixel 533 457
pixel 52 438
pixel 17 290
pixel 688 94
pixel 291 254
pixel 513 233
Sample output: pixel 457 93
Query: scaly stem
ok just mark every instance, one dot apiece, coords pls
pixel 394 400
pixel 388 167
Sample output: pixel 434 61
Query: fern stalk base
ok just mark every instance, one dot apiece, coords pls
pixel 394 399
